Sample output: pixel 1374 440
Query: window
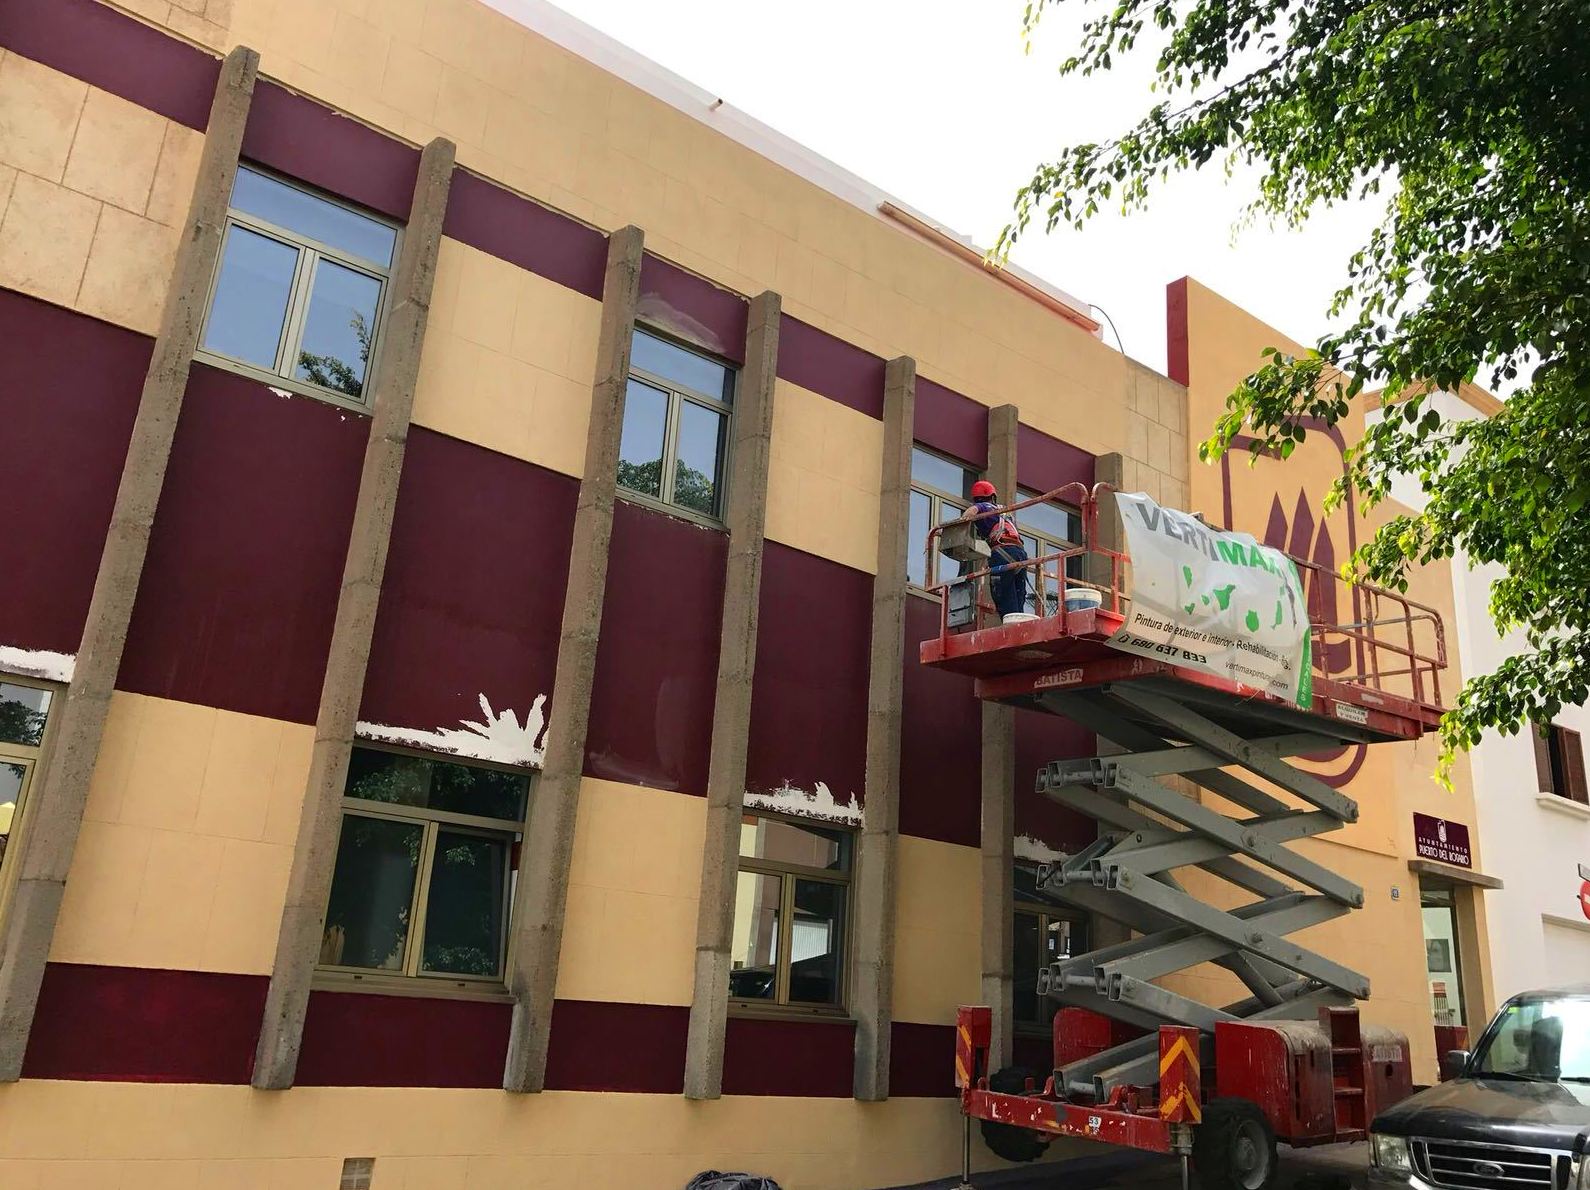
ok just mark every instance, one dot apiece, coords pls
pixel 298 291
pixel 1443 968
pixel 675 441
pixel 1559 762
pixel 24 713
pixel 791 910
pixel 1048 529
pixel 1043 934
pixel 425 868
pixel 940 492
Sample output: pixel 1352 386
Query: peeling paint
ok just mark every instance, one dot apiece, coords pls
pixel 280 392
pixel 38 663
pixel 499 738
pixel 1029 848
pixel 807 803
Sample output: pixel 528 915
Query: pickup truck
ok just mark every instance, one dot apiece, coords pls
pixel 1513 1115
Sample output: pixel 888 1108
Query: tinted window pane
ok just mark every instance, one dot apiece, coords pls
pixel 398 779
pixel 1052 520
pixel 754 957
pixel 681 367
pixel 463 917
pixel 335 349
pixel 313 217
pixel 700 458
pixel 916 546
pixel 23 710
pixel 792 843
pixel 932 471
pixel 251 294
pixel 817 942
pixel 367 919
pixel 12 775
pixel 640 447
pixel 948 567
pixel 1024 969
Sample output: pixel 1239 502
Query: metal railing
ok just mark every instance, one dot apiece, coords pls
pixel 1391 644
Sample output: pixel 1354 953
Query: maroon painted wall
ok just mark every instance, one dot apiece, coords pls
pixel 951 423
pixel 597 1046
pixel 809 694
pixel 1044 463
pixel 657 664
pixel 136 1024
pixel 763 1056
pixel 838 370
pixel 240 587
pixel 678 301
pixel 473 596
pixel 1041 738
pixel 66 411
pixel 940 741
pixel 553 245
pixel 921 1060
pixel 354 1039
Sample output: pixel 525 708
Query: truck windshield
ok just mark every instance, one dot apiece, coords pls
pixel 1542 1039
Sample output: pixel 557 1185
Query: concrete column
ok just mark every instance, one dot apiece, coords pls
pixel 1110 469
pixel 397 368
pixel 999 794
pixel 57 813
pixel 549 835
pixel 872 967
pixel 731 711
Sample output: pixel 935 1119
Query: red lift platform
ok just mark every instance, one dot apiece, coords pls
pixel 1216 1085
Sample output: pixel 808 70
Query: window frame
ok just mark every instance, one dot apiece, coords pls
pixel 1560 762
pixel 411 978
pixel 310 253
pixel 31 758
pixel 936 497
pixel 1045 915
pixel 677 395
pixel 780 1004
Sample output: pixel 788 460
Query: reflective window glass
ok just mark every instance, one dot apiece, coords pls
pixel 916 547
pixel 643 439
pixel 313 217
pixel 787 842
pixel 12 776
pixel 699 457
pixel 464 927
pixel 372 894
pixel 677 365
pixel 334 349
pixel 816 942
pixel 1024 968
pixel 399 779
pixel 23 711
pixel 758 904
pixel 930 470
pixel 252 294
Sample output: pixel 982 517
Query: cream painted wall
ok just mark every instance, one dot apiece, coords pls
pixel 93 192
pixel 823 475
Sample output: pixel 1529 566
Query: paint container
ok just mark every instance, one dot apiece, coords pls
pixel 1018 618
pixel 1082 598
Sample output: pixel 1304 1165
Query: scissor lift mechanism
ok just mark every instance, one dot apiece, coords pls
pixel 1164 722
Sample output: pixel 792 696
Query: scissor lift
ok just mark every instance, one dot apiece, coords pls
pixel 1235 745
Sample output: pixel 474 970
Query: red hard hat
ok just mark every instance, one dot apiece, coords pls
pixel 983 489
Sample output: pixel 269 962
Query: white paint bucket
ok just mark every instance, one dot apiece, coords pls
pixel 1018 618
pixel 1081 598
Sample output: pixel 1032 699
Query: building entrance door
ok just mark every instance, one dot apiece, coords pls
pixel 1443 966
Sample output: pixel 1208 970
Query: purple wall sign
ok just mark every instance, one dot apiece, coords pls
pixel 1440 840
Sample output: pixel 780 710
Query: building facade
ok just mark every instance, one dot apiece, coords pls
pixel 458 704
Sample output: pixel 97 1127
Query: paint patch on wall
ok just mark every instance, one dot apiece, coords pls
pixel 499 737
pixel 818 802
pixel 1036 850
pixel 37 663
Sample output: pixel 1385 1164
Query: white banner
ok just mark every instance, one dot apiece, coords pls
pixel 1214 601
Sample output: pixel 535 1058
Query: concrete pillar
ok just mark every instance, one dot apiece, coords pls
pixel 872 966
pixel 999 795
pixel 731 711
pixel 1110 469
pixel 57 813
pixel 543 885
pixel 397 368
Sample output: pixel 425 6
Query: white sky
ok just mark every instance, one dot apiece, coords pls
pixel 935 102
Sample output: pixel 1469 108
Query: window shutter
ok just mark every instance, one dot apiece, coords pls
pixel 1571 748
pixel 1539 733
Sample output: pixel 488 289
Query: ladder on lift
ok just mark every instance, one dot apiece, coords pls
pixel 1234 743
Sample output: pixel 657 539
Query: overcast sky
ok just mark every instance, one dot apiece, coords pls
pixel 935 101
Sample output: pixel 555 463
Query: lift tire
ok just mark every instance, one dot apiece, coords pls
pixel 1006 1140
pixel 1234 1147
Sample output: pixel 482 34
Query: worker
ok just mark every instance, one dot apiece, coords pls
pixel 1006 555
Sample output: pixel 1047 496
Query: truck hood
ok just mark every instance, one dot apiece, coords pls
pixel 1500 1111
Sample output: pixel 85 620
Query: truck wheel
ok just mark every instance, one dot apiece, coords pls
pixel 1234 1147
pixel 1006 1140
